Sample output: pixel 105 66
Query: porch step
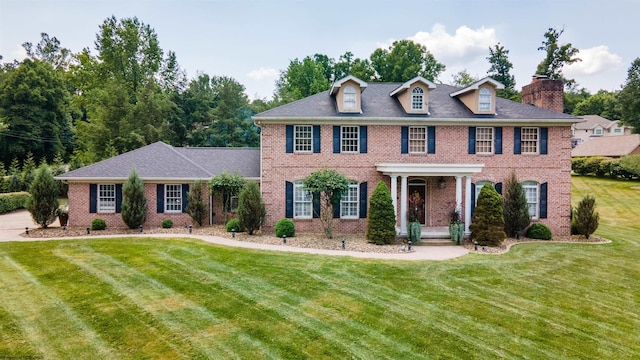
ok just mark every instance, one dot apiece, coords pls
pixel 435 242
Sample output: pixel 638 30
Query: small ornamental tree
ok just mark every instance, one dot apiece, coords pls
pixel 330 185
pixel 586 217
pixel 43 203
pixel 251 209
pixel 196 208
pixel 134 203
pixel 224 187
pixel 487 223
pixel 516 209
pixel 381 228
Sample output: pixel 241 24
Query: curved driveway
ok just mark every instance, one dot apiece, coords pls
pixel 14 223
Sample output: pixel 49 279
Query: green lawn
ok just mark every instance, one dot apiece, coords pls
pixel 159 298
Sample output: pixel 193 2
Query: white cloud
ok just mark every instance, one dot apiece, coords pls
pixel 18 54
pixel 461 47
pixel 594 60
pixel 263 74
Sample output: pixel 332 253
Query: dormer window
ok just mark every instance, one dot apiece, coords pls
pixel 349 98
pixel 417 98
pixel 484 101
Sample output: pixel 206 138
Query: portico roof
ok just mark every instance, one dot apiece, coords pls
pixel 416 169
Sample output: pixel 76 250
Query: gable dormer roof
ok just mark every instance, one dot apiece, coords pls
pixel 337 84
pixel 405 86
pixel 476 85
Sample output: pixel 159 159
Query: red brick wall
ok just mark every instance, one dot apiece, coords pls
pixel 79 215
pixel 384 146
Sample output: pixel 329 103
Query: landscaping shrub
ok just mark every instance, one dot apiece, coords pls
pixel 234 225
pixel 631 164
pixel 585 216
pixel 13 201
pixel 98 224
pixel 577 165
pixel 134 203
pixel 167 224
pixel 43 203
pixel 196 207
pixel 487 224
pixel 539 231
pixel 251 209
pixel 381 227
pixel 516 209
pixel 285 227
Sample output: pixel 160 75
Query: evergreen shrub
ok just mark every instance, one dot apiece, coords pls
pixel 285 227
pixel 167 224
pixel 98 224
pixel 234 225
pixel 539 231
pixel 381 228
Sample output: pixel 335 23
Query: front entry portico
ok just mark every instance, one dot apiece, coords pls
pixel 404 171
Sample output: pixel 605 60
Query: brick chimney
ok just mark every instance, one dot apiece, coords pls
pixel 544 93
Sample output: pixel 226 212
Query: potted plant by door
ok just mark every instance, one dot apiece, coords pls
pixel 456 227
pixel 63 214
pixel 414 230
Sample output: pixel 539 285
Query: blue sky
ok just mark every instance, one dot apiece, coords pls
pixel 253 40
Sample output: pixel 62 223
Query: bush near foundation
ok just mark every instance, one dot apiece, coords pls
pixel 98 224
pixel 285 227
pixel 539 231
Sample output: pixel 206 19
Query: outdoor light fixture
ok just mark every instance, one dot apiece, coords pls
pixel 88 231
pixel 140 228
pixel 26 230
pixel 190 229
pixel 343 240
pixel 233 234
pixel 475 245
pixel 284 239
pixel 64 227
pixel 409 246
pixel 442 183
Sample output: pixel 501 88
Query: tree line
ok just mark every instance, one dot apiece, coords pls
pixel 127 92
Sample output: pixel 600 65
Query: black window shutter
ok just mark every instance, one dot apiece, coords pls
pixel 473 198
pixel 363 200
pixel 288 207
pixel 316 205
pixel 499 188
pixel 472 140
pixel 336 139
pixel 336 210
pixel 118 198
pixel 185 197
pixel 517 140
pixel 404 140
pixel 93 198
pixel 159 198
pixel 498 142
pixel 431 140
pixel 363 139
pixel 316 139
pixel 543 200
pixel 289 146
pixel 544 140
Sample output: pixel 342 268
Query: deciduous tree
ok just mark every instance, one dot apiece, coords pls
pixel 225 186
pixel 404 60
pixel 629 97
pixel 329 185
pixel 500 70
pixel 557 56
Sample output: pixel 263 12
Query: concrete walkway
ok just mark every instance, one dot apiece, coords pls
pixel 14 223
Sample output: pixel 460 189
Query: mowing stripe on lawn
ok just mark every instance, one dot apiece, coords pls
pixel 170 308
pixel 49 324
pixel 371 344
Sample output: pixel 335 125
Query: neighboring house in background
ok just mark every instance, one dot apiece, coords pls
pixel 95 191
pixel 595 127
pixel 609 146
pixel 442 142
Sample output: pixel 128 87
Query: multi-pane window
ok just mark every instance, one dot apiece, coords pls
pixel 349 136
pixel 349 98
pixel 531 193
pixel 173 198
pixel 484 100
pixel 598 131
pixel 349 202
pixel 303 138
pixel 484 140
pixel 106 198
pixel 302 202
pixel 479 186
pixel 529 138
pixel 417 139
pixel 617 130
pixel 417 98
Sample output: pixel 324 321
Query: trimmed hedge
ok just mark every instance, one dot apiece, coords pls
pixel 604 166
pixel 285 227
pixel 98 224
pixel 167 224
pixel 539 231
pixel 13 201
pixel 234 225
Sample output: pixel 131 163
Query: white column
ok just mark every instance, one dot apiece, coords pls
pixel 459 195
pixel 403 204
pixel 394 195
pixel 467 204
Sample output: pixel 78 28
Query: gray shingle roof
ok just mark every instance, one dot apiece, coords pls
pixel 376 103
pixel 159 161
pixel 591 121
pixel 609 146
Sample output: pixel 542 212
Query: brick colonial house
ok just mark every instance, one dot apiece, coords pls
pixel 439 141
